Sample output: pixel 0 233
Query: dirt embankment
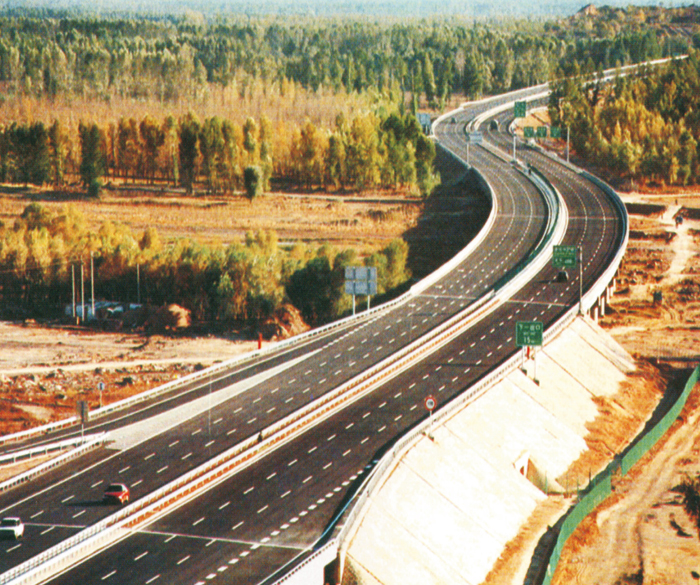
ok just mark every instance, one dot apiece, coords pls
pixel 641 534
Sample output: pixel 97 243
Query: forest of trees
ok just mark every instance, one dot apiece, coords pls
pixel 365 152
pixel 234 104
pixel 174 58
pixel 243 282
pixel 644 128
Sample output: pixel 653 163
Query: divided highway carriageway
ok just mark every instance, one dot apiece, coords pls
pixel 257 523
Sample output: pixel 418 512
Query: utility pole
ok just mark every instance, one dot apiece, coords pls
pixel 138 284
pixel 82 290
pixel 92 284
pixel 72 279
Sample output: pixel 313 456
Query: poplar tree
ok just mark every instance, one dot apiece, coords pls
pixel 93 160
pixel 152 139
pixel 189 151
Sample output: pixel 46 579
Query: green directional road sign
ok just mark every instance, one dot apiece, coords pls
pixel 541 131
pixel 564 256
pixel 528 132
pixel 528 333
pixel 555 131
pixel 520 109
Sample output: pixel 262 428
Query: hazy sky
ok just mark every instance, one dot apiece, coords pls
pixel 470 8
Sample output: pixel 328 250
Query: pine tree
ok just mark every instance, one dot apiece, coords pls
pixel 58 146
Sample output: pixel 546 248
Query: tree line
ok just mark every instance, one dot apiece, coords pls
pixel 369 150
pixel 643 128
pixel 175 59
pixel 243 283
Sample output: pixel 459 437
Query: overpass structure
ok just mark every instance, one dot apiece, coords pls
pixel 254 471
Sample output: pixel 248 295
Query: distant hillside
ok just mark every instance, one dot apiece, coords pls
pixel 479 9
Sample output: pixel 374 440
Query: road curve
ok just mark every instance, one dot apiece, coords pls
pixel 252 525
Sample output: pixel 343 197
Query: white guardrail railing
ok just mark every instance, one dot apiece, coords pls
pixel 44 449
pixel 357 505
pixel 85 444
pixel 208 474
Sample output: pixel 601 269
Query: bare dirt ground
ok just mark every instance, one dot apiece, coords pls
pixel 366 221
pixel 642 534
pixel 44 370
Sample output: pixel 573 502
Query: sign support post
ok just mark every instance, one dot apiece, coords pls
pixel 360 280
pixel 530 334
pixel 519 111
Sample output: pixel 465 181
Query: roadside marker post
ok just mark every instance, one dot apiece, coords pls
pixel 473 138
pixel 519 111
pixel 430 404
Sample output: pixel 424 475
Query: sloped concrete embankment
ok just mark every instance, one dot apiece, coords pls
pixel 451 505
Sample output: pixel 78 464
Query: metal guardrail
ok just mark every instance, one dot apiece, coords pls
pixel 540 255
pixel 384 467
pixel 90 442
pixel 43 449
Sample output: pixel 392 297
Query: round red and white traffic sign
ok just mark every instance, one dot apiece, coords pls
pixel 430 403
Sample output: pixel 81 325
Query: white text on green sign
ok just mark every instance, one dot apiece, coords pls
pixel 564 256
pixel 528 333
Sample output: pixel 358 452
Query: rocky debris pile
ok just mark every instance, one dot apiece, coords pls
pixel 286 322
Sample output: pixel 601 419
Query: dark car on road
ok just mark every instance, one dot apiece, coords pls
pixel 116 493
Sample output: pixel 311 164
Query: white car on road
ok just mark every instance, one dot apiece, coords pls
pixel 11 528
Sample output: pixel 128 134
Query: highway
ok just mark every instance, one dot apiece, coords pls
pixel 269 514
